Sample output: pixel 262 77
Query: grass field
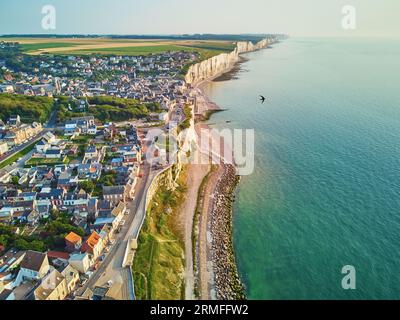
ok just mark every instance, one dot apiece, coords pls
pixel 33 47
pixel 159 261
pixel 133 50
pixel 205 51
pixel 34 162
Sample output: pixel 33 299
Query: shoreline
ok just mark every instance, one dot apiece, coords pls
pixel 214 260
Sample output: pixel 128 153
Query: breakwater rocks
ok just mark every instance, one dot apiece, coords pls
pixel 223 62
pixel 227 282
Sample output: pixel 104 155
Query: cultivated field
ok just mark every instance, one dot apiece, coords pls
pixel 108 46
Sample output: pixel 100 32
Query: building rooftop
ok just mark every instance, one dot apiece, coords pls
pixel 93 239
pixel 33 260
pixel 113 190
pixel 58 255
pixel 49 284
pixel 78 256
pixel 73 238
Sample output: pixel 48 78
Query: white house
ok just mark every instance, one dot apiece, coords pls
pixel 42 146
pixel 92 129
pixel 70 127
pixel 34 266
pixel 6 213
pixel 53 153
pixel 80 262
pixel 49 137
pixel 163 116
pixel 6 88
pixel 3 148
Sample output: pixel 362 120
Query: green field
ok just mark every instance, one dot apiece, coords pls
pixel 205 51
pixel 129 47
pixel 30 47
pixel 159 261
pixel 133 51
pixel 213 46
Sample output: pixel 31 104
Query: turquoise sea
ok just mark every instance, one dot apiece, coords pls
pixel 325 192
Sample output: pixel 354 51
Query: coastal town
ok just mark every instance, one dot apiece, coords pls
pixel 75 183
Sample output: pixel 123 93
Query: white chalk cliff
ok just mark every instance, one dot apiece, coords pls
pixel 221 63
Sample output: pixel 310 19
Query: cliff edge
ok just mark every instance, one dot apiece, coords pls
pixel 222 63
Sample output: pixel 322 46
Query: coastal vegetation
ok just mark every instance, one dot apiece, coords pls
pixel 185 124
pixel 159 261
pixel 207 115
pixel 29 108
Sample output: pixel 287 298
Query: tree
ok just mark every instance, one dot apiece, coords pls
pixel 3 240
pixel 54 213
pixel 15 180
pixel 87 185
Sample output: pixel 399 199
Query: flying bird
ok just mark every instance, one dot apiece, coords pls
pixel 262 99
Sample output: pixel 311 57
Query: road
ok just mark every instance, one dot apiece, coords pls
pixel 111 268
pixel 25 158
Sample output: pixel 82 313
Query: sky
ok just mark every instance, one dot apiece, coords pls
pixel 293 17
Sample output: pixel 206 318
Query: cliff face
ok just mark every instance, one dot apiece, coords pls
pixel 216 65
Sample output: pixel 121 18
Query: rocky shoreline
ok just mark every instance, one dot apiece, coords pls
pixel 228 285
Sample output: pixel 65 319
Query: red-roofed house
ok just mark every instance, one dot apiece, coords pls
pixel 58 255
pixel 73 242
pixel 93 245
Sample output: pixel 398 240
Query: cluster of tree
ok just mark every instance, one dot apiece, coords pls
pixel 16 60
pixel 51 238
pixel 8 238
pixel 87 185
pixel 108 108
pixel 29 108
pixel 107 179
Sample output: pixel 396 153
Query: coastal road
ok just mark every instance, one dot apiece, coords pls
pixel 111 268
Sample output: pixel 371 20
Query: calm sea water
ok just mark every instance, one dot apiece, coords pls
pixel 326 188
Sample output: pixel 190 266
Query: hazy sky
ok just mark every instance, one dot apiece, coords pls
pixel 294 17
